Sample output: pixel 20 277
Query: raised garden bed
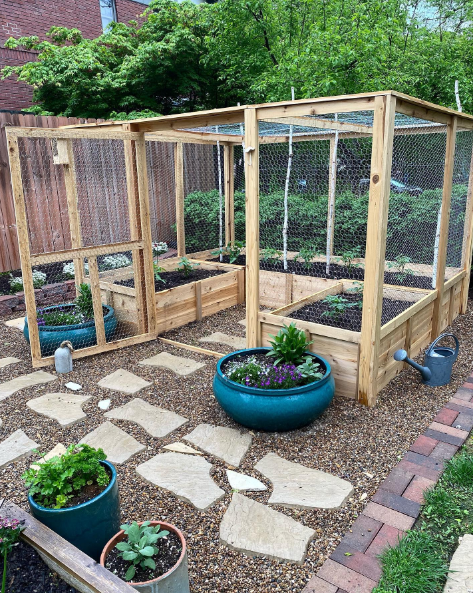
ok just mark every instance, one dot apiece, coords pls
pixel 175 278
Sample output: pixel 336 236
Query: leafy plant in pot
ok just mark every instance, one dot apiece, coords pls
pixel 276 389
pixel 76 495
pixel 151 556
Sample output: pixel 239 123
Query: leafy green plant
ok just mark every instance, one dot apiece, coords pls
pixel 400 264
pixel 139 546
pixel 357 288
pixel 66 315
pixel 10 531
pixel 271 255
pixel 84 302
pixel 54 482
pixel 338 306
pixel 186 266
pixel 289 345
pixel 233 250
pixel 16 282
pixel 347 258
pixel 310 369
pixel 158 270
pixel 245 372
pixel 307 254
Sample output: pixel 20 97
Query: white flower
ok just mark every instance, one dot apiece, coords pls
pixel 159 248
pixel 112 262
pixel 39 280
pixel 69 270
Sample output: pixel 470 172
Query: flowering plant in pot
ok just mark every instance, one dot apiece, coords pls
pixel 279 388
pixel 10 531
pixel 151 556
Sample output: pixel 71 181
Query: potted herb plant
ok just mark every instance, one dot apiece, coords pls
pixel 76 495
pixel 151 556
pixel 73 322
pixel 276 389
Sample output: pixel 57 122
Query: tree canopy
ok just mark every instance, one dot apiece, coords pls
pixel 187 57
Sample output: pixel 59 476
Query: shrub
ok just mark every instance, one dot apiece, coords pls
pixel 289 345
pixel 84 302
pixel 39 280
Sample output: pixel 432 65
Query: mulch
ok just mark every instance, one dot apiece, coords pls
pixel 173 279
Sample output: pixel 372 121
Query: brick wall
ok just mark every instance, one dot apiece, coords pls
pixel 14 94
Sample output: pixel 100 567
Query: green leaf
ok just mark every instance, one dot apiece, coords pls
pixel 134 533
pixel 123 547
pixel 149 563
pixel 130 573
pixel 147 551
pixel 129 556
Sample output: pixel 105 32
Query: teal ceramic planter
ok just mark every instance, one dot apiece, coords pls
pixel 89 525
pixel 80 335
pixel 274 410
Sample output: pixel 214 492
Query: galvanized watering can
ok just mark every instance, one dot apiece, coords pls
pixel 438 361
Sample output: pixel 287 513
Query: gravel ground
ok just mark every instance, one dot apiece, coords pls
pixel 350 441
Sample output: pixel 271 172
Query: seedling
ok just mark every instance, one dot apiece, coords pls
pixel 271 255
pixel 338 306
pixel 347 258
pixel 233 250
pixel 307 254
pixel 400 264
pixel 186 266
pixel 157 273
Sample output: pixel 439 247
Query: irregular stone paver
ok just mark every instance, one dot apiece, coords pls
pixel 16 446
pixel 66 408
pixel 73 386
pixel 460 577
pixel 302 487
pixel 156 421
pixel 182 448
pixel 18 323
pixel 24 381
pixel 256 530
pixel 243 482
pixel 4 362
pixel 57 451
pixel 227 444
pixel 122 380
pixel 116 443
pixel 186 476
pixel 234 342
pixel 178 364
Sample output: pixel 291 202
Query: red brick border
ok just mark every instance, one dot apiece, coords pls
pixel 396 505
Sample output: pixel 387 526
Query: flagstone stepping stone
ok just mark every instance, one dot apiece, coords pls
pixel 460 577
pixel 182 448
pixel 116 443
pixel 18 323
pixel 157 422
pixel 57 451
pixel 16 446
pixel 178 364
pixel 4 362
pixel 256 530
pixel 296 486
pixel 73 386
pixel 24 381
pixel 234 342
pixel 122 380
pixel 243 482
pixel 186 476
pixel 227 444
pixel 66 408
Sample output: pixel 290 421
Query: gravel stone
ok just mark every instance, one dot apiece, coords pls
pixel 16 446
pixel 227 444
pixel 66 408
pixel 73 386
pixel 116 443
pixel 122 380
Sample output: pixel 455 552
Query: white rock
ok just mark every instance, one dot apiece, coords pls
pixel 227 444
pixel 182 448
pixel 66 408
pixel 234 342
pixel 122 380
pixel 460 576
pixel 57 451
pixel 7 361
pixel 178 364
pixel 24 381
pixel 18 323
pixel 105 404
pixel 73 386
pixel 242 482
pixel 256 530
pixel 157 422
pixel 116 443
pixel 186 476
pixel 301 487
pixel 16 446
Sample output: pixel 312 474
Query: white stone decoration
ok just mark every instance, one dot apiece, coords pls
pixel 18 323
pixel 73 386
pixel 105 404
pixel 244 483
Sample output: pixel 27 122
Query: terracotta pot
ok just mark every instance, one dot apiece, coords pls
pixel 175 580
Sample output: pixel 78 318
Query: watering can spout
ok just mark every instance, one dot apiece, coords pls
pixel 401 356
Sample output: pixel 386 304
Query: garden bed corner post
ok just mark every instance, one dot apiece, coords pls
pixel 467 242
pixel 179 180
pixel 252 227
pixel 229 185
pixel 380 183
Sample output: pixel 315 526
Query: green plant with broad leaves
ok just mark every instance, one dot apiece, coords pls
pixel 186 266
pixel 233 250
pixel 84 302
pixel 158 270
pixel 289 345
pixel 347 258
pixel 139 547
pixel 310 369
pixel 399 264
pixel 55 481
pixel 271 255
pixel 357 288
pixel 338 306
pixel 307 254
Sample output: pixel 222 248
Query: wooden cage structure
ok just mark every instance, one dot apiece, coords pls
pixel 361 359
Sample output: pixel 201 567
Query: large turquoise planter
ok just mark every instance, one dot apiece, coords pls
pixel 89 525
pixel 80 335
pixel 274 410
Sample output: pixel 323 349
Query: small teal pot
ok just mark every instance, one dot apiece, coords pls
pixel 89 525
pixel 273 410
pixel 80 335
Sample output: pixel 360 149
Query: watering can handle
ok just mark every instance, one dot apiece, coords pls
pixel 457 346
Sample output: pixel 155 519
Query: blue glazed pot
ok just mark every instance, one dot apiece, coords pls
pixel 89 525
pixel 273 409
pixel 80 335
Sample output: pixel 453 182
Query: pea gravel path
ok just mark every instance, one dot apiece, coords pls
pixel 352 442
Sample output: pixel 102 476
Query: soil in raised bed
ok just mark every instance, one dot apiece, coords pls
pixel 169 552
pixel 175 278
pixel 351 318
pixel 27 573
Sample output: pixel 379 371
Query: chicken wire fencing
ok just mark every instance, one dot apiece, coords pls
pixel 76 197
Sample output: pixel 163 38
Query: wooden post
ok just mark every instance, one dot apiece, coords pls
pixel 467 242
pixel 332 184
pixel 198 300
pixel 228 156
pixel 179 179
pixel 444 222
pixel 252 227
pixel 380 182
pixel 96 300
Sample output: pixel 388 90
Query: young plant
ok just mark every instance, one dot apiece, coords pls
pixel 59 316
pixel 54 482
pixel 338 306
pixel 232 250
pixel 357 288
pixel 16 282
pixel 69 271
pixel 10 530
pixel 347 258
pixel 186 266
pixel 84 302
pixel 271 255
pixel 289 345
pixel 139 546
pixel 310 370
pixel 158 270
pixel 307 254
pixel 400 264
pixel 112 262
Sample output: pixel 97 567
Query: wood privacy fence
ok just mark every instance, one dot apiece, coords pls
pixel 102 189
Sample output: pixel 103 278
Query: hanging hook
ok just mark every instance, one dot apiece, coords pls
pixel 249 150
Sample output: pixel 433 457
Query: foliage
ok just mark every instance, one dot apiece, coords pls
pixel 54 482
pixel 16 282
pixel 112 262
pixel 186 266
pixel 400 264
pixel 289 345
pixel 233 250
pixel 10 531
pixel 310 369
pixel 271 255
pixel 84 302
pixel 62 315
pixel 69 271
pixel 307 254
pixel 338 306
pixel 347 258
pixel 357 288
pixel 158 270
pixel 139 546
pixel 159 248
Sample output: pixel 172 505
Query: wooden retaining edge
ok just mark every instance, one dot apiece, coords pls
pixel 191 348
pixel 85 574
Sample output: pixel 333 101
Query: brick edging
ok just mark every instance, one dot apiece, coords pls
pixel 396 504
pixel 49 294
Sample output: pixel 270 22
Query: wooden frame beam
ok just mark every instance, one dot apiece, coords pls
pixel 189 135
pixel 180 216
pixel 61 133
pixel 321 124
pixel 67 254
pixel 467 242
pixel 229 185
